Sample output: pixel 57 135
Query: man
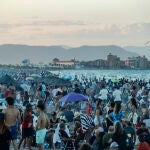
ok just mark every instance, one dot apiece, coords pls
pixel 130 134
pixel 108 136
pixel 27 126
pixel 42 124
pixel 13 120
pixel 104 94
pixel 77 90
pixel 69 114
pixel 117 95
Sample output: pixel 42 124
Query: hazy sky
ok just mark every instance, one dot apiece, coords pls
pixel 75 22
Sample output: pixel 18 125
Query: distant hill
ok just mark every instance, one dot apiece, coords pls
pixel 141 50
pixel 13 54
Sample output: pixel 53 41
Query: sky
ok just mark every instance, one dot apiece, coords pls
pixel 75 22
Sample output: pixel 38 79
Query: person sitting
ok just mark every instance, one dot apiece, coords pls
pixel 64 136
pixel 85 146
pixel 98 144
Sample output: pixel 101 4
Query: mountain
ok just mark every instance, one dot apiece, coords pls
pixel 141 50
pixel 13 54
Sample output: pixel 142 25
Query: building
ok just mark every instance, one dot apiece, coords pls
pixel 113 61
pixel 137 62
pixel 99 63
pixel 63 64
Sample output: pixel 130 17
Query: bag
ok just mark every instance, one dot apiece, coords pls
pixel 129 141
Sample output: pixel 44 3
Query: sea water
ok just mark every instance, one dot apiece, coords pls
pixel 107 74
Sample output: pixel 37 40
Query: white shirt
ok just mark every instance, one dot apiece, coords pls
pixel 103 94
pixel 135 116
pixel 117 95
pixel 96 121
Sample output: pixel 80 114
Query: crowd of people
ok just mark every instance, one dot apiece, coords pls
pixel 115 115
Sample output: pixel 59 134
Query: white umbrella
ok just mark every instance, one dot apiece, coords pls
pixel 29 78
pixel 35 75
pixel 25 87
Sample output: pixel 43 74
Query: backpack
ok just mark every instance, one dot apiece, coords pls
pixel 129 141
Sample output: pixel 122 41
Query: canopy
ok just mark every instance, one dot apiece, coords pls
pixel 73 97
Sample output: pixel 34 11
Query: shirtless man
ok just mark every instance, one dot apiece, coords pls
pixel 42 124
pixel 13 120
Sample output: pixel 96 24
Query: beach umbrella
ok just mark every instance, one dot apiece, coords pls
pixel 25 87
pixel 73 97
pixel 30 78
pixel 35 75
pixel 68 77
pixel 116 81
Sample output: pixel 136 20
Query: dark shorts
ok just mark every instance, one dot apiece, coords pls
pixel 27 132
pixel 13 131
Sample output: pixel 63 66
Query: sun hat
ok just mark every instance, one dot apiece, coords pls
pixel 114 144
pixel 76 114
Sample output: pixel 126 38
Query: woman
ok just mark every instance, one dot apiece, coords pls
pixel 54 120
pixel 42 124
pixel 119 136
pixel 117 114
pixel 133 116
pixel 98 119
pixel 5 135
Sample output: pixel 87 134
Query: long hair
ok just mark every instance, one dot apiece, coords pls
pixel 133 102
pixel 118 128
pixel 117 108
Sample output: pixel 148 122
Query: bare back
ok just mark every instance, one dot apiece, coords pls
pixel 12 114
pixel 43 121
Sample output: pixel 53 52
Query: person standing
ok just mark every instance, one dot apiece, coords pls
pixel 42 124
pixel 27 126
pixel 13 120
pixel 5 135
pixel 117 94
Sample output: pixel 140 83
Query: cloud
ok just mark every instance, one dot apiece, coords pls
pixel 43 31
